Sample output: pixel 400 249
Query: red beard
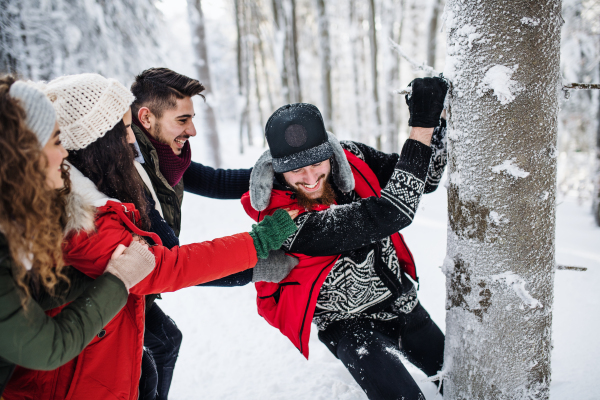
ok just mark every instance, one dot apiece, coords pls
pixel 327 198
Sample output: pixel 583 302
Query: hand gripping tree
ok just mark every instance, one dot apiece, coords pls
pixel 503 62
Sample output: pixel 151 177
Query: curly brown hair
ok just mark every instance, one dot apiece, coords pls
pixel 30 211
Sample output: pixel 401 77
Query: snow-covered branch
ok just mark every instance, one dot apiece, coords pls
pixel 415 64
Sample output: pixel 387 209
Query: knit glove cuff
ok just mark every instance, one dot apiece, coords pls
pixel 133 265
pixel 271 232
pixel 274 268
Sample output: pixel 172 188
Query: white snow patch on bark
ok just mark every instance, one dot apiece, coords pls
pixel 498 79
pixel 517 284
pixel 455 134
pixel 509 168
pixel 495 217
pixel 530 21
pixel 447 266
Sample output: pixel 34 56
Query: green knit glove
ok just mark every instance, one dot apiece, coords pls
pixel 270 233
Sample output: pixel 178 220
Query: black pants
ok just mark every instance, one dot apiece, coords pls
pixel 162 340
pixel 371 352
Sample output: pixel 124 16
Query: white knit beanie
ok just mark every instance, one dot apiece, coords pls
pixel 87 106
pixel 39 114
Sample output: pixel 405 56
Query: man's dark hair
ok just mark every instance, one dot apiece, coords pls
pixel 159 88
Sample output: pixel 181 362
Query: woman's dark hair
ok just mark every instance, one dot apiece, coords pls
pixel 108 162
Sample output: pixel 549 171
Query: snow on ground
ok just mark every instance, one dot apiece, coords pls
pixel 229 352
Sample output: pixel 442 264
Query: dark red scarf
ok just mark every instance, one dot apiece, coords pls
pixel 171 166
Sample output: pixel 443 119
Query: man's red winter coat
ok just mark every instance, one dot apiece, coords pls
pixel 109 367
pixel 290 304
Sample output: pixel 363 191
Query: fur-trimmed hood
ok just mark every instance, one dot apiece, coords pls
pixel 82 202
pixel 261 178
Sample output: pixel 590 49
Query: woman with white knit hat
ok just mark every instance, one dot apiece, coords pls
pixel 32 271
pixel 93 114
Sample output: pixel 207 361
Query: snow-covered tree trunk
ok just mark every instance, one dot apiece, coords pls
pixel 356 47
pixel 323 23
pixel 286 43
pixel 207 113
pixel 503 59
pixel 374 74
pixel 393 17
pixel 432 32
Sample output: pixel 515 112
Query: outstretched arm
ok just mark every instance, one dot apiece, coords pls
pixel 351 226
pixel 216 183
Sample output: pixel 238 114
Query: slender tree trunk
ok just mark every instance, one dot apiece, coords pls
pixel 432 33
pixel 596 193
pixel 238 27
pixel 392 16
pixel 325 47
pixel 281 47
pixel 356 39
pixel 208 115
pixel 294 53
pixel 373 42
pixel 243 70
pixel 501 197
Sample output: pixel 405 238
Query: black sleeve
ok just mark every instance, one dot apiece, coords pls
pixel 382 164
pixel 351 226
pixel 159 226
pixel 439 158
pixel 238 279
pixel 216 183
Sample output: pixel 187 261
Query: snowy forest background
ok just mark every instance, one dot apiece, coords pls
pixel 254 56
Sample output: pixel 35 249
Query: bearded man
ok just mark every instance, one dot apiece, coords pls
pixel 355 279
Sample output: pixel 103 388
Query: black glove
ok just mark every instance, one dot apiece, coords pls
pixel 426 102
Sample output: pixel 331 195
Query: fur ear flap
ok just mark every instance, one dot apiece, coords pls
pixel 261 182
pixel 342 176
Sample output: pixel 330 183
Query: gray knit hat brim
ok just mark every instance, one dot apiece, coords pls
pixel 39 113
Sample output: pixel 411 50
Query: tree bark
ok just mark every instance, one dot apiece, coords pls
pixel 209 119
pixel 325 47
pixel 501 197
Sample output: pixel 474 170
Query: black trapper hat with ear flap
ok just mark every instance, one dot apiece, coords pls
pixel 297 138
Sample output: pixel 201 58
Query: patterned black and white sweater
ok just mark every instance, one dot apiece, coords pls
pixel 367 281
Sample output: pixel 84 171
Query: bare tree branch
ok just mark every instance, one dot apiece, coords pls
pixel 415 64
pixel 582 86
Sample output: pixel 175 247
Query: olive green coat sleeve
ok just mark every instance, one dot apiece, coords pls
pixel 29 338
